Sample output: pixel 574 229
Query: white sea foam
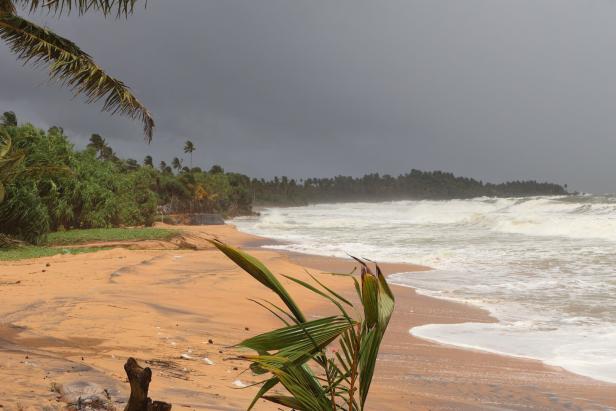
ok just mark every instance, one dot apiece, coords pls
pixel 544 266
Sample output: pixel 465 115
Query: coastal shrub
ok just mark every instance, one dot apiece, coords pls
pixel 23 214
pixel 297 357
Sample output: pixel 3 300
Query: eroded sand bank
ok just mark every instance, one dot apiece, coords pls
pixel 73 320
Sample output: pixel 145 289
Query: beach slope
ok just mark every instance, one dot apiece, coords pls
pixel 68 323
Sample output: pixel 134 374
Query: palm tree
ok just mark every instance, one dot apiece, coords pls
pixel 189 147
pixel 176 163
pixel 67 63
pixel 8 119
pixel 97 143
pixel 148 161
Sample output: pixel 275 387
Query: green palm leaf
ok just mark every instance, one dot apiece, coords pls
pixel 260 273
pixel 121 7
pixel 379 304
pixel 299 381
pixel 268 385
pixel 299 341
pixel 286 352
pixel 72 67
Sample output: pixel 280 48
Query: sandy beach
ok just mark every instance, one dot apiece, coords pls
pixel 68 323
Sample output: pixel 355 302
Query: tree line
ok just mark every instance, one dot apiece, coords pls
pixel 434 185
pixel 46 184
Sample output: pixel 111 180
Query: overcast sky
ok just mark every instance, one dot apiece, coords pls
pixel 492 89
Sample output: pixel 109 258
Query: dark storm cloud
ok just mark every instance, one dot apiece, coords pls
pixel 491 89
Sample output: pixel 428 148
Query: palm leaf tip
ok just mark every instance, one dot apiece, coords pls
pixel 261 273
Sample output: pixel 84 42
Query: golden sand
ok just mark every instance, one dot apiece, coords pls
pixel 72 320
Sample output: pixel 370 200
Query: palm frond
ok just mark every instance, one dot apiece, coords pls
pixel 299 381
pixel 106 7
pixel 5 143
pixel 7 6
pixel 72 67
pixel 379 304
pixel 321 293
pixel 261 273
pixel 299 341
pixel 267 386
pixel 345 375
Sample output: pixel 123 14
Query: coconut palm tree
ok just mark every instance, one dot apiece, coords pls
pixel 97 143
pixel 176 163
pixel 189 147
pixel 8 119
pixel 148 161
pixel 67 63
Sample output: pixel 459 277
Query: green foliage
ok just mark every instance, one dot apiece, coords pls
pixel 23 214
pixel 10 161
pixel 55 187
pixel 67 63
pixel 8 119
pixel 296 356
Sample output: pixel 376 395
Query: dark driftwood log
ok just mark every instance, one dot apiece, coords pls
pixel 139 379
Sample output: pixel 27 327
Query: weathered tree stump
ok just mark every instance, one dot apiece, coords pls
pixel 139 379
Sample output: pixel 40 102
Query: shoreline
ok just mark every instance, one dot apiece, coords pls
pixel 160 305
pixel 449 337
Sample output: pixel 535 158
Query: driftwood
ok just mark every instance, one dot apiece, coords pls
pixel 139 379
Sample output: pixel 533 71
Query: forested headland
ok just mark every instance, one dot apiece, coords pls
pixel 424 185
pixel 49 185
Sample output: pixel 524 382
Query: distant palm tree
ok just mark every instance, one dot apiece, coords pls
pixel 67 63
pixel 108 154
pixel 162 165
pixel 131 164
pixel 176 163
pixel 189 147
pixel 8 119
pixel 148 161
pixel 97 143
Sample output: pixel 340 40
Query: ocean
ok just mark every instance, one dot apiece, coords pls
pixel 545 267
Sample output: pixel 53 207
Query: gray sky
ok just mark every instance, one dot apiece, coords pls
pixel 492 89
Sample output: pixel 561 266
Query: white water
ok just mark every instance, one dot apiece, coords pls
pixel 544 266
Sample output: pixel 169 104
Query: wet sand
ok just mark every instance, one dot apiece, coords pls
pixel 71 321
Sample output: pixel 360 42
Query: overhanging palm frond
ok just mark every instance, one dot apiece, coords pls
pixel 7 6
pixel 120 7
pixel 72 67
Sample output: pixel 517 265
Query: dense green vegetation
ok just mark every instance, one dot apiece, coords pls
pixel 417 184
pixel 54 187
